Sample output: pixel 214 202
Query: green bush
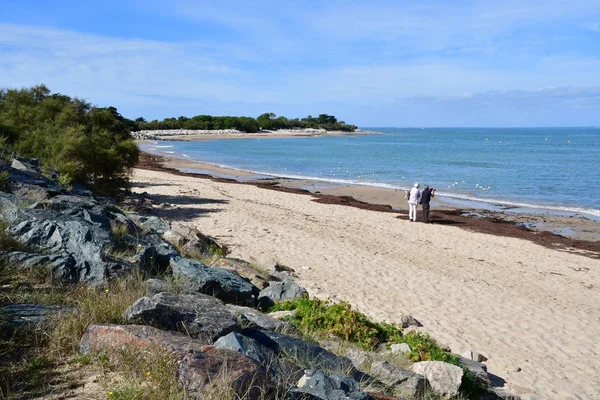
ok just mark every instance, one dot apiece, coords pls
pixel 91 145
pixel 318 316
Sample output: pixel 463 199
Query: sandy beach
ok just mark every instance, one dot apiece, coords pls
pixel 531 309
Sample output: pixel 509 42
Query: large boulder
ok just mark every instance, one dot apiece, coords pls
pixel 225 285
pixel 303 354
pixel 280 291
pixel 402 382
pixel 200 316
pixel 281 370
pixel 444 378
pixel 77 238
pixel 245 345
pixel 78 229
pixel 323 386
pixel 197 365
pixel 192 241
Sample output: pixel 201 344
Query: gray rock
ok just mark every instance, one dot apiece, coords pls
pixel 30 166
pixel 408 320
pixel 478 369
pixel 61 266
pixel 360 358
pixel 253 318
pixel 445 379
pixel 82 241
pixel 281 371
pixel 402 382
pixel 245 345
pixel 305 355
pixel 225 285
pixel 192 241
pixel 201 317
pixel 400 348
pixel 280 291
pixel 19 315
pixel 322 386
pixel 245 270
pixel 152 224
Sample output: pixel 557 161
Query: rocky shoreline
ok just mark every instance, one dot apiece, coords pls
pixel 92 241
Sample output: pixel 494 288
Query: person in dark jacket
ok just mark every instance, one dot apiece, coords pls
pixel 426 196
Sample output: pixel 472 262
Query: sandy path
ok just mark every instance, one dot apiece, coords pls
pixel 522 305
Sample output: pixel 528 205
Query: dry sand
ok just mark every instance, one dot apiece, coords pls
pixel 533 311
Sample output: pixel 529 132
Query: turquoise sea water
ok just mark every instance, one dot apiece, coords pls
pixel 544 168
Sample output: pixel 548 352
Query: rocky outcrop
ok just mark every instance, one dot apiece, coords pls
pixel 199 316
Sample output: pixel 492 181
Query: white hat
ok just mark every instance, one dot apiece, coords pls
pixel 416 184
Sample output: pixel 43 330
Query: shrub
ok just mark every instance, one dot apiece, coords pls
pixel 314 316
pixel 90 145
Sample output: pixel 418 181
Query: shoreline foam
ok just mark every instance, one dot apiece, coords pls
pixel 581 225
pixel 453 199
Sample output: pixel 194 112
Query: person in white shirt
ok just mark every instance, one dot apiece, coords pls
pixel 413 200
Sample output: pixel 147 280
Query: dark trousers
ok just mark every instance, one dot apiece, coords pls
pixel 425 212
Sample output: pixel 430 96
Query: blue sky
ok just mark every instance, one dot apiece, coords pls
pixel 372 63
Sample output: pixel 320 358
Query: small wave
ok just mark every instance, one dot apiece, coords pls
pixel 502 202
pixel 159 147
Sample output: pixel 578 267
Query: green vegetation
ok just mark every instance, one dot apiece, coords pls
pixel 246 124
pixel 318 316
pixel 322 318
pixel 85 144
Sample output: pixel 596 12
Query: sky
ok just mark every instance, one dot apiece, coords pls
pixel 372 63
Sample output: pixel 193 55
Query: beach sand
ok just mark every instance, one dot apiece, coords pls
pixel 531 309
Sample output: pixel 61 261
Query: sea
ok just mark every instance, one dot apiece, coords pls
pixel 516 169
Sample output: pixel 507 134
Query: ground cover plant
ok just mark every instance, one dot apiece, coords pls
pixel 313 316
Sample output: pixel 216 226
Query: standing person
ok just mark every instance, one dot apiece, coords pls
pixel 426 196
pixel 413 200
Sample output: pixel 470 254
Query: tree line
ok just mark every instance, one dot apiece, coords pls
pixel 93 145
pixel 85 144
pixel 267 121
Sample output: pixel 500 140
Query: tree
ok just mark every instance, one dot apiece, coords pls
pixel 88 144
